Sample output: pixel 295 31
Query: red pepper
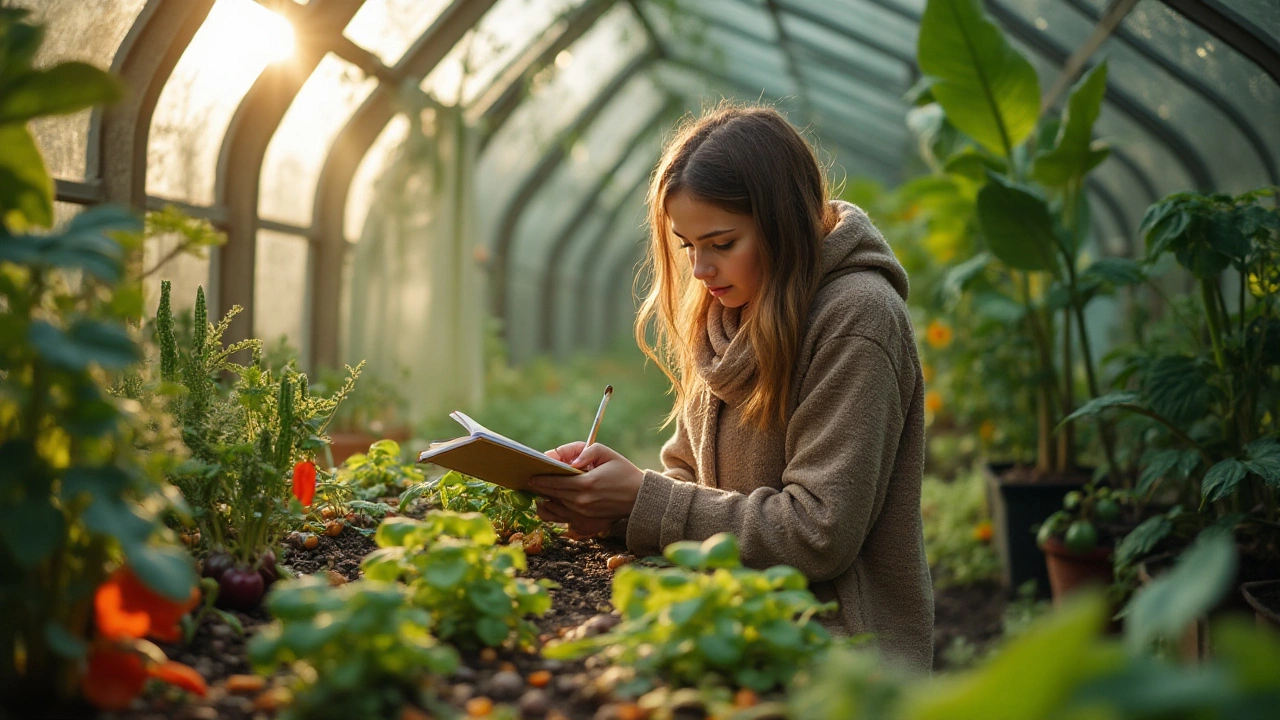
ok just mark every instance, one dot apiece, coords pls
pixel 304 482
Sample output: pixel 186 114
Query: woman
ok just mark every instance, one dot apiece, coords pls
pixel 799 399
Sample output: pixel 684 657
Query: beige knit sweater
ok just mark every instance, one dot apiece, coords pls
pixel 836 493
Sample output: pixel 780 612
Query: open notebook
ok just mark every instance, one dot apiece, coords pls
pixel 485 454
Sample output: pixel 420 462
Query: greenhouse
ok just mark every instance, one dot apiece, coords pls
pixel 926 355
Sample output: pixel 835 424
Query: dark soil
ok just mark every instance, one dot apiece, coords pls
pixel 973 612
pixel 580 605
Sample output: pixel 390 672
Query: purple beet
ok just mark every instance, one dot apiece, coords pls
pixel 240 588
pixel 216 564
pixel 267 567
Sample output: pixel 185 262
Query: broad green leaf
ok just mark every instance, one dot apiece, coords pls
pixel 1264 460
pixel 168 571
pixel 723 646
pixel 1100 403
pixel 1222 479
pixel 489 597
pixel 785 577
pixel 445 571
pixel 972 164
pixel 85 342
pixel 1161 465
pixel 958 278
pixel 1017 226
pixel 1115 271
pixel 988 89
pixel 1164 225
pixel 683 611
pixel 384 564
pixel 1177 388
pixel 1061 648
pixel 25 184
pixel 1142 540
pixel 721 551
pixel 60 90
pixel 1074 152
pixel 491 631
pixel 782 634
pixel 32 530
pixel 685 553
pixel 998 307
pixel 386 447
pixel 1254 655
pixel 1165 606
pixel 397 531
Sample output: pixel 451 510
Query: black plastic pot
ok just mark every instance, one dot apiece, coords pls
pixel 1017 509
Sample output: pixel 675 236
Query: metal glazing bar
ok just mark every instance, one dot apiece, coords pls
pixel 1235 30
pixel 788 52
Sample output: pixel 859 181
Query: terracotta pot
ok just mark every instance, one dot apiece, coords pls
pixel 345 443
pixel 1069 571
pixel 1264 597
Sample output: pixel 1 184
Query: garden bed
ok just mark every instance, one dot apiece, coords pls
pixel 575 691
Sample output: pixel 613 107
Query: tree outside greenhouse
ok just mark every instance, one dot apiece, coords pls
pixel 254 252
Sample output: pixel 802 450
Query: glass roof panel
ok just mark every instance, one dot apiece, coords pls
pixel 372 166
pixel 201 96
pixel 887 26
pixel 734 13
pixel 282 290
pixel 854 92
pixel 502 34
pixel 843 47
pixel 298 149
pixel 1234 167
pixel 557 95
pixel 1263 13
pixel 1252 92
pixel 184 271
pixel 76 30
pixel 388 28
pixel 587 161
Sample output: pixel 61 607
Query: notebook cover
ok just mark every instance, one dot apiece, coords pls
pixel 482 458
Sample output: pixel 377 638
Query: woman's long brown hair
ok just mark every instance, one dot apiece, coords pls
pixel 750 161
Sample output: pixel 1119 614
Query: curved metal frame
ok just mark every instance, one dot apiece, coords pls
pixel 546 165
pixel 240 160
pixel 580 213
pixel 1228 26
pixel 1210 95
pixel 345 154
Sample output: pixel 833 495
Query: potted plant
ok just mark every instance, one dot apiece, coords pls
pixel 980 124
pixel 1212 401
pixel 1079 540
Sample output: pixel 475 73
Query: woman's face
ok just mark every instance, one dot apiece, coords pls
pixel 723 248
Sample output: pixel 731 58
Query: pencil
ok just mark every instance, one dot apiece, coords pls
pixel 595 425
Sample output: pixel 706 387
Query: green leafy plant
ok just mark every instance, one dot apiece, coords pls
pixel 1063 666
pixel 981 126
pixel 454 569
pixel 362 650
pixel 708 614
pixel 1086 518
pixel 82 468
pixel 510 511
pixel 957 530
pixel 1212 398
pixel 380 472
pixel 246 439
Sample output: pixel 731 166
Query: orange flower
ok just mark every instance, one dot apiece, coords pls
pixel 304 481
pixel 113 679
pixel 987 431
pixel 126 609
pixel 115 676
pixel 179 675
pixel 938 334
pixel 933 401
pixel 982 532
pixel 926 371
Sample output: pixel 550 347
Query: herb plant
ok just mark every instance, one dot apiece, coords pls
pixel 365 649
pixel 81 469
pixel 709 615
pixel 380 472
pixel 510 511
pixel 454 568
pixel 246 439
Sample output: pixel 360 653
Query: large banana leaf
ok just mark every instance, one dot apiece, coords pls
pixel 1074 152
pixel 1017 226
pixel 989 90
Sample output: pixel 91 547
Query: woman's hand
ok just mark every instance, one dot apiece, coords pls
pixel 579 526
pixel 607 491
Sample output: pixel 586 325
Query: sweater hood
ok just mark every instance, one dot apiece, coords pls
pixel 855 245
